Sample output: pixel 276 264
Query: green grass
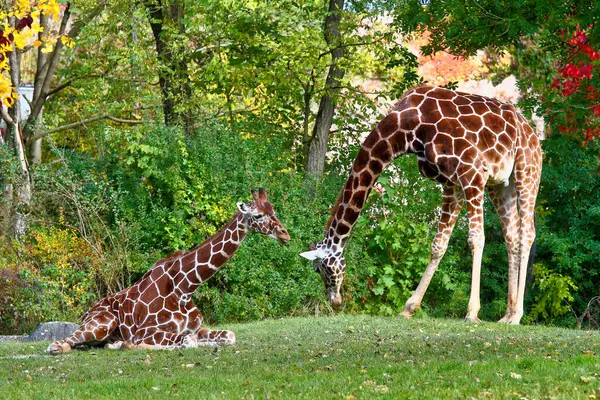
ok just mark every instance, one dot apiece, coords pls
pixel 343 357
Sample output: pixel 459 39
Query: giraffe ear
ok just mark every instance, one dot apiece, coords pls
pixel 242 207
pixel 313 254
pixel 246 210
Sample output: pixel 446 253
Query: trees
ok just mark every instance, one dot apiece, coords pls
pixel 554 48
pixel 167 21
pixel 55 27
pixel 20 23
pixel 317 143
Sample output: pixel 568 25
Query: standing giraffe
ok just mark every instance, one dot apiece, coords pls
pixel 157 311
pixel 467 143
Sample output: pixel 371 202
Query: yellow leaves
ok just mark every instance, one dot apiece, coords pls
pixel 7 95
pixel 48 48
pixel 36 27
pixel 67 41
pixel 24 35
pixel 50 7
pixel 20 40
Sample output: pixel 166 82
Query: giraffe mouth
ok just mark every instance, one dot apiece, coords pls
pixel 336 300
pixel 283 237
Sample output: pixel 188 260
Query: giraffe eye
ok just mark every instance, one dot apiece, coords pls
pixel 317 265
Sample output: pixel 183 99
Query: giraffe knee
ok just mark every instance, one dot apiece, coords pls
pixel 230 337
pixel 437 251
pixel 476 241
pixel 59 347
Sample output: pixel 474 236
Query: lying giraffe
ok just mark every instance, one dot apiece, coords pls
pixel 467 143
pixel 157 312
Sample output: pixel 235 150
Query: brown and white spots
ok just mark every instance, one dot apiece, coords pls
pixel 157 312
pixel 467 143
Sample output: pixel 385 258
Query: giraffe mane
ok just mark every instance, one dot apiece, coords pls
pixel 333 210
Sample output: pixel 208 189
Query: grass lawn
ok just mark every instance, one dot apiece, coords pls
pixel 342 357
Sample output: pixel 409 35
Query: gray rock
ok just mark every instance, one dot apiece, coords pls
pixel 52 331
pixel 12 338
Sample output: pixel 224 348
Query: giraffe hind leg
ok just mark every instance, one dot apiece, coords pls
pixel 207 337
pixel 504 199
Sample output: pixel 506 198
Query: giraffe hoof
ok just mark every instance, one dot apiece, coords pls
pixel 406 314
pixel 128 345
pixel 59 348
pixel 190 341
pixel 475 320
pixel 231 338
pixel 114 346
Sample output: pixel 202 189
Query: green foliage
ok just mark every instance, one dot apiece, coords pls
pixel 554 294
pixel 161 187
pixel 53 275
pixel 9 165
pixel 569 217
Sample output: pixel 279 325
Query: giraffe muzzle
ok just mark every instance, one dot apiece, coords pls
pixel 336 301
pixel 283 236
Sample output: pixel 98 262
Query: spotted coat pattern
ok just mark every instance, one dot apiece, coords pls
pixel 158 311
pixel 467 143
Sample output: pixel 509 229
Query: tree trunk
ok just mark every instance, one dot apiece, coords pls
pixel 317 147
pixel 5 200
pixel 172 72
pixel 22 190
pixel 47 65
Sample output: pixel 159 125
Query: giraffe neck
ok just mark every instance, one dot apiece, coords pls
pixel 203 261
pixel 384 144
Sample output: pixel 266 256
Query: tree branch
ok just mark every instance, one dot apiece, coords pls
pixel 6 117
pixel 40 135
pixel 343 46
pixel 70 82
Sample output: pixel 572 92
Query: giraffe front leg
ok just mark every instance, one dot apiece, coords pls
pixel 452 201
pixel 474 198
pixel 96 328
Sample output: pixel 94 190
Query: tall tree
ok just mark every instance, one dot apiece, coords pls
pixel 317 143
pixel 166 19
pixel 55 27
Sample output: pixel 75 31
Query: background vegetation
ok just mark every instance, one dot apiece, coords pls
pixel 163 114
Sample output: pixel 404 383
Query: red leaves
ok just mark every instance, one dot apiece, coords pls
pixel 25 22
pixel 6 40
pixel 579 68
pixel 579 38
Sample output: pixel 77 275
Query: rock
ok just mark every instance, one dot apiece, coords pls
pixel 12 338
pixel 52 331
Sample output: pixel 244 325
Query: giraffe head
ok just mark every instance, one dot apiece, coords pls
pixel 260 217
pixel 331 264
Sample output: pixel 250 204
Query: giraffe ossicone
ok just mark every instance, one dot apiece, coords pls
pixel 157 312
pixel 468 143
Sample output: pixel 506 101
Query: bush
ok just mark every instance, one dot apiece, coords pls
pixel 102 217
